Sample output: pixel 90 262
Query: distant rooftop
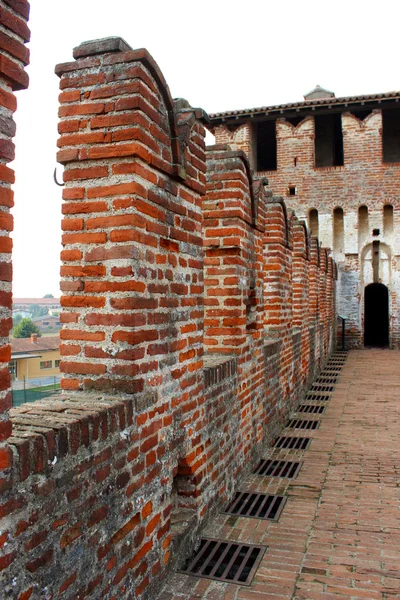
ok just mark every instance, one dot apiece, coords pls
pixel 318 93
pixel 318 99
pixel 24 345
pixel 42 301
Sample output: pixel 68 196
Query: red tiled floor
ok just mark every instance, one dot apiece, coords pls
pixel 339 534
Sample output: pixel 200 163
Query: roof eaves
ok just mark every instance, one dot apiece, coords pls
pixel 305 104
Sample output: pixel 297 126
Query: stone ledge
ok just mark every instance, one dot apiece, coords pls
pixel 271 347
pixel 47 430
pixel 218 367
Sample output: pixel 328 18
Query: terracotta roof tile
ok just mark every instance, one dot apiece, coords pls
pixel 26 345
pixel 43 301
pixel 306 104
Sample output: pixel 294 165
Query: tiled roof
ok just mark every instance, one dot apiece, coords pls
pixel 42 344
pixel 43 301
pixel 45 318
pixel 303 105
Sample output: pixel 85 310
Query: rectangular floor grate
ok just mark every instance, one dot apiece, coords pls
pixel 330 372
pixel 299 424
pixel 318 397
pixel 311 409
pixel 321 388
pixel 325 379
pixel 278 468
pixel 225 561
pixel 259 506
pixel 292 443
pixel 333 369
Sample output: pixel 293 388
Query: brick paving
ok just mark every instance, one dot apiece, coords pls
pixel 339 533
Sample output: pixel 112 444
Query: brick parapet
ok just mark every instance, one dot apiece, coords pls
pixel 145 436
pixel 134 172
pixel 56 428
pixel 14 56
pixel 232 213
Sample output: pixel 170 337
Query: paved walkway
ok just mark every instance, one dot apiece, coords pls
pixel 339 533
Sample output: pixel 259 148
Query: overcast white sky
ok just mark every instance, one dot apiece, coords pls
pixel 218 54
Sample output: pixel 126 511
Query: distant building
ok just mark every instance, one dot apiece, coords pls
pixel 24 304
pixel 34 357
pixel 337 163
pixel 24 313
pixel 47 323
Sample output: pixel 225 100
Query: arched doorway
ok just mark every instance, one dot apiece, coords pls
pixel 376 315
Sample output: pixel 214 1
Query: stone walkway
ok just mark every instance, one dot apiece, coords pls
pixel 339 533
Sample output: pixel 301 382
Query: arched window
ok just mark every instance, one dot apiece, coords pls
pixel 338 232
pixel 388 219
pixel 363 227
pixel 313 225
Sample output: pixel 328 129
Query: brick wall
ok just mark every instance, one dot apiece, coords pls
pixel 363 180
pixel 14 56
pixel 113 480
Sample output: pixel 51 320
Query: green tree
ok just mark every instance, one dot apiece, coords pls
pixel 25 328
pixel 17 319
pixel 48 296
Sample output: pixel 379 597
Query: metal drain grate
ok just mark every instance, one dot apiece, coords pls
pixel 225 561
pixel 333 369
pixel 278 468
pixel 325 379
pixel 292 443
pixel 330 372
pixel 299 424
pixel 318 397
pixel 322 388
pixel 259 506
pixel 311 409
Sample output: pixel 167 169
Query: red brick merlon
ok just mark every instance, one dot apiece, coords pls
pixel 14 55
pixel 110 86
pixel 222 157
pixel 233 226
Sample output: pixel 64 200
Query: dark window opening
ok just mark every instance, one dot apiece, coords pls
pixel 295 120
pixel 266 146
pixel 338 231
pixel 313 222
pixel 388 219
pixel 182 511
pixel 376 316
pixel 391 135
pixel 376 232
pixel 362 224
pixel 361 114
pixel 292 190
pixel 251 306
pixel 328 141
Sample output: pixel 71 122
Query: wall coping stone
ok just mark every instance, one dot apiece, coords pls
pixel 50 429
pixel 218 367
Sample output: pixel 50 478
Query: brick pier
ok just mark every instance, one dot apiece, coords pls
pixel 339 533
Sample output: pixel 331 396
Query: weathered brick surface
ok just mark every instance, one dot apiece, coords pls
pixel 113 480
pixel 14 56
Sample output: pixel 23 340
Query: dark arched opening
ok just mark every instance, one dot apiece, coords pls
pixel 376 315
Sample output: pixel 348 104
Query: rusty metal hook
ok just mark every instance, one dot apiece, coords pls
pixel 55 178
